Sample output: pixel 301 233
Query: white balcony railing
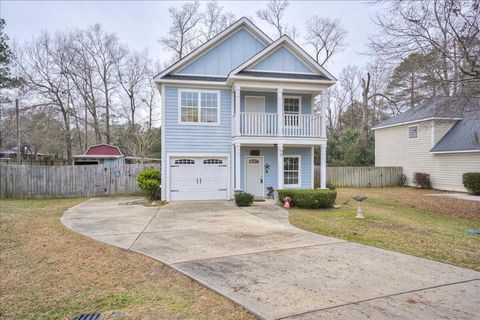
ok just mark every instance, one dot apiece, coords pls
pixel 266 124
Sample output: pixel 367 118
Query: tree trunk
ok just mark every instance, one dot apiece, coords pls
pixel 365 91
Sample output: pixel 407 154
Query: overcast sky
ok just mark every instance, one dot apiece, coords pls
pixel 141 23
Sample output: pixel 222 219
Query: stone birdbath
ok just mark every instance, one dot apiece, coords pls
pixel 359 200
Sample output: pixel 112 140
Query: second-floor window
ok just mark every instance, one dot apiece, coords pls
pixel 413 132
pixel 291 107
pixel 200 107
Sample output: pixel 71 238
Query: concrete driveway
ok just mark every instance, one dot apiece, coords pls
pixel 254 257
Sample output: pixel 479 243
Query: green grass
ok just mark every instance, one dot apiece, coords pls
pixel 413 227
pixel 50 272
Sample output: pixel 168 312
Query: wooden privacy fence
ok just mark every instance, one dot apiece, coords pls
pixel 359 177
pixel 26 181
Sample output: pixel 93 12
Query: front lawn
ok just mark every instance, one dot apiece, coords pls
pixel 50 272
pixel 403 220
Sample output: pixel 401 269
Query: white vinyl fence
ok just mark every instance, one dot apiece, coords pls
pixel 361 177
pixel 27 181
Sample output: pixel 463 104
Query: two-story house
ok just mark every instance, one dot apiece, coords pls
pixel 440 137
pixel 239 115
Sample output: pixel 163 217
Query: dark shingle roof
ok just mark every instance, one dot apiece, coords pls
pixel 282 75
pixel 194 78
pixel 463 136
pixel 439 107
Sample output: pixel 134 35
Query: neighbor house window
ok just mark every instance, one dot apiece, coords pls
pixel 413 132
pixel 199 107
pixel 291 170
pixel 291 109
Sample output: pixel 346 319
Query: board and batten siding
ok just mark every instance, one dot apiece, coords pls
pixel 271 100
pixel 393 148
pixel 281 60
pixel 226 56
pixel 270 157
pixel 196 138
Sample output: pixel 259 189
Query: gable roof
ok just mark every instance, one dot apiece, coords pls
pixel 438 108
pixel 283 41
pixel 464 136
pixel 204 48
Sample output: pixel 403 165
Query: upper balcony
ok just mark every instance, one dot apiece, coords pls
pixel 271 112
pixel 267 124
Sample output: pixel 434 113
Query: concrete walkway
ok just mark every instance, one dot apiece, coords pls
pixel 254 257
pixel 459 196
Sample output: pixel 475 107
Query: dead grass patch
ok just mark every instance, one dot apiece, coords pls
pixel 50 272
pixel 403 220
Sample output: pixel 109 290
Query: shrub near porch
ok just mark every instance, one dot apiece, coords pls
pixel 403 220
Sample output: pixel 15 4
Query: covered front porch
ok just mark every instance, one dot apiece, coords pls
pixel 256 167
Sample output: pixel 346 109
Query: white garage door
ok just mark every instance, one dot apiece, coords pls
pixel 195 178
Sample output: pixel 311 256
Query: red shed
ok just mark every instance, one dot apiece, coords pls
pixel 100 154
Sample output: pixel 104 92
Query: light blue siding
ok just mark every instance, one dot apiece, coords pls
pixel 225 57
pixel 270 157
pixel 281 60
pixel 183 138
pixel 271 100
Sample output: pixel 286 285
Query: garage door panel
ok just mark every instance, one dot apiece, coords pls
pixel 195 178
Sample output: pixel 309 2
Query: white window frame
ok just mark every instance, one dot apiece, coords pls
pixel 408 132
pixel 299 184
pixel 299 98
pixel 199 94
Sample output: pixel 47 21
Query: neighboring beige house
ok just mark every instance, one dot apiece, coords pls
pixel 441 137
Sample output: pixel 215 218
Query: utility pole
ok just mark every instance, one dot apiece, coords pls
pixel 17 118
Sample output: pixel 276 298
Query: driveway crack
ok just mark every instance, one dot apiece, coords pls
pixel 140 233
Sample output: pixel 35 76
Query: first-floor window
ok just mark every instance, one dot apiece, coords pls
pixel 199 107
pixel 291 170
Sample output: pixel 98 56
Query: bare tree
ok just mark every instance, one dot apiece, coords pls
pixel 449 27
pixel 41 63
pixel 133 77
pixel 274 14
pixel 326 36
pixel 183 34
pixel 215 20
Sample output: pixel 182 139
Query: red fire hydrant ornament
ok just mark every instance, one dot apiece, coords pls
pixel 287 202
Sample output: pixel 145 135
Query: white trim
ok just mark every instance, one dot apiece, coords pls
pixel 254 97
pixel 164 174
pixel 415 121
pixel 245 174
pixel 408 132
pixel 434 132
pixel 192 155
pixel 288 72
pixel 299 185
pixel 242 22
pixel 293 97
pixel 307 81
pixel 249 84
pixel 456 151
pixel 271 140
pixel 297 49
pixel 313 168
pixel 191 83
pixel 199 107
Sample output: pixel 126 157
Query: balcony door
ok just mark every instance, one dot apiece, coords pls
pixel 254 104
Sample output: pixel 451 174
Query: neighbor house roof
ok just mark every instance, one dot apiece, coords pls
pixel 101 151
pixel 464 136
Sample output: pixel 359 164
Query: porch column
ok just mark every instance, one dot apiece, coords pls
pixel 280 111
pixel 237 167
pixel 237 110
pixel 280 165
pixel 323 112
pixel 323 166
